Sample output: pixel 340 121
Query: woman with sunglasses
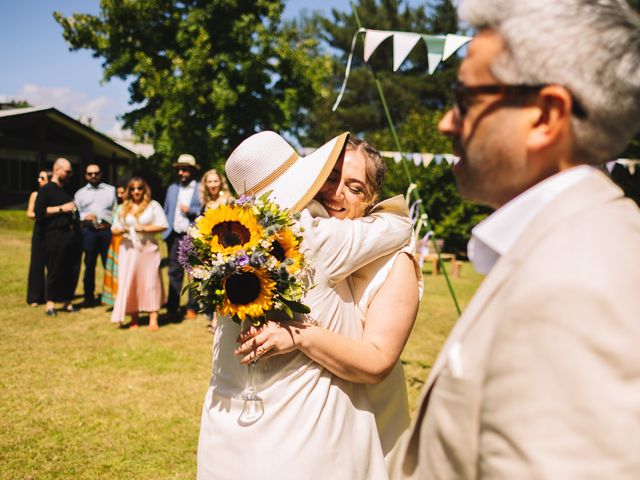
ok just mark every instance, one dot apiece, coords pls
pixel 35 284
pixel 139 219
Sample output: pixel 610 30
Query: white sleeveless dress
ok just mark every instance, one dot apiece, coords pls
pixel 315 425
pixel 389 398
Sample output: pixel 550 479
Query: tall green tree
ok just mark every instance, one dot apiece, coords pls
pixel 203 74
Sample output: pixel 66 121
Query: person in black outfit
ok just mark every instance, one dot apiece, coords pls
pixel 35 282
pixel 57 217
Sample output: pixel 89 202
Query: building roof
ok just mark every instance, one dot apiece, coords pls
pixel 103 145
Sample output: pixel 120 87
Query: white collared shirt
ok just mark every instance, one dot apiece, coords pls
pixel 98 200
pixel 495 235
pixel 185 194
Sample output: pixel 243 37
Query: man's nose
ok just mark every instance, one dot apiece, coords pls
pixel 449 123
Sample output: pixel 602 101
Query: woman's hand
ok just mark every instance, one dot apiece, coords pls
pixel 274 338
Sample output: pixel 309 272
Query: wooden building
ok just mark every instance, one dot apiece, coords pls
pixel 32 138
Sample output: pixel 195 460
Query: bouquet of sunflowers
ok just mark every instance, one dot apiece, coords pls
pixel 245 260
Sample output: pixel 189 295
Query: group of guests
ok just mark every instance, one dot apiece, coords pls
pixel 119 225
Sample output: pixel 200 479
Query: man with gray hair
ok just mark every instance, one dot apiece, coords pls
pixel 540 377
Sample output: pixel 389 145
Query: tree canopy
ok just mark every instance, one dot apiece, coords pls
pixel 204 74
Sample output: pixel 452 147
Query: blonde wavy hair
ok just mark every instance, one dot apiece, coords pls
pixel 205 196
pixel 128 203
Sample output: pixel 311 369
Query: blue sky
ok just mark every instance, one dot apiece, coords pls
pixel 37 65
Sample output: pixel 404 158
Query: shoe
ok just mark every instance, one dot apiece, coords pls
pixel 34 304
pixel 51 313
pixel 71 308
pixel 132 325
pixel 191 314
pixel 89 302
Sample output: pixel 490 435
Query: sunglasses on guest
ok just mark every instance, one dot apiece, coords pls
pixel 93 174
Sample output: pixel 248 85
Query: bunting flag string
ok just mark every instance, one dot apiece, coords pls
pixel 628 163
pixel 439 48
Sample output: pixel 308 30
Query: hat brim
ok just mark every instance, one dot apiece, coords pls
pixel 297 186
pixel 195 167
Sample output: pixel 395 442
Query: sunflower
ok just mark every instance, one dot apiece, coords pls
pixel 229 228
pixel 285 246
pixel 249 293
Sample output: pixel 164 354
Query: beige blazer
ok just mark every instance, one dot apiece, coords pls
pixel 540 377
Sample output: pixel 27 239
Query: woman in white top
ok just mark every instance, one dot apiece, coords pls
pixel 139 219
pixel 386 293
pixel 315 425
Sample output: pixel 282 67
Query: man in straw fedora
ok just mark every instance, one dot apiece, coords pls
pixel 182 206
pixel 540 376
pixel 315 425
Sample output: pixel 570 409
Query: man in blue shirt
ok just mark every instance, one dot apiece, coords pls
pixel 95 203
pixel 182 206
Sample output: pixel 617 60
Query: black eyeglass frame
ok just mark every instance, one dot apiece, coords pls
pixel 93 174
pixel 462 95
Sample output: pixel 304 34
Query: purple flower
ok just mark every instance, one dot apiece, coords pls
pixel 242 260
pixel 258 260
pixel 185 251
pixel 244 199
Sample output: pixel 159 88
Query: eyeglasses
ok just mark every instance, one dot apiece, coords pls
pixel 463 95
pixel 184 169
pixel 93 174
pixel 137 189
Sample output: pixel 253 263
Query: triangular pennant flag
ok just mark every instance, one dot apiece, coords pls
pixel 435 48
pixel 453 43
pixel 403 43
pixel 451 159
pixel 372 40
pixel 417 159
pixel 427 158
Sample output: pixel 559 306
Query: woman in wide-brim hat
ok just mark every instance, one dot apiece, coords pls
pixel 315 425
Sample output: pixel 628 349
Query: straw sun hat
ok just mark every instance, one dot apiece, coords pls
pixel 265 161
pixel 187 160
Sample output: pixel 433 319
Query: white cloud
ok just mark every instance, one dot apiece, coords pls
pixel 97 111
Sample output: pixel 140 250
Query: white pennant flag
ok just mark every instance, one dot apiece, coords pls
pixel 427 158
pixel 435 48
pixel 372 40
pixel 453 43
pixel 403 43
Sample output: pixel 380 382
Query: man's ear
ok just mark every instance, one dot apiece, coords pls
pixel 551 117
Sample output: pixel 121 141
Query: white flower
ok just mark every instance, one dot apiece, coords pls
pixel 194 232
pixel 200 272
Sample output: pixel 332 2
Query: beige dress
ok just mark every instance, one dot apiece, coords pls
pixel 389 399
pixel 315 425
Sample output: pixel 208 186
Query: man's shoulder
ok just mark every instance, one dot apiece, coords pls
pixel 108 187
pixel 82 189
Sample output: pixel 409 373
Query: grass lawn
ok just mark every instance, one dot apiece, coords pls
pixel 81 399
